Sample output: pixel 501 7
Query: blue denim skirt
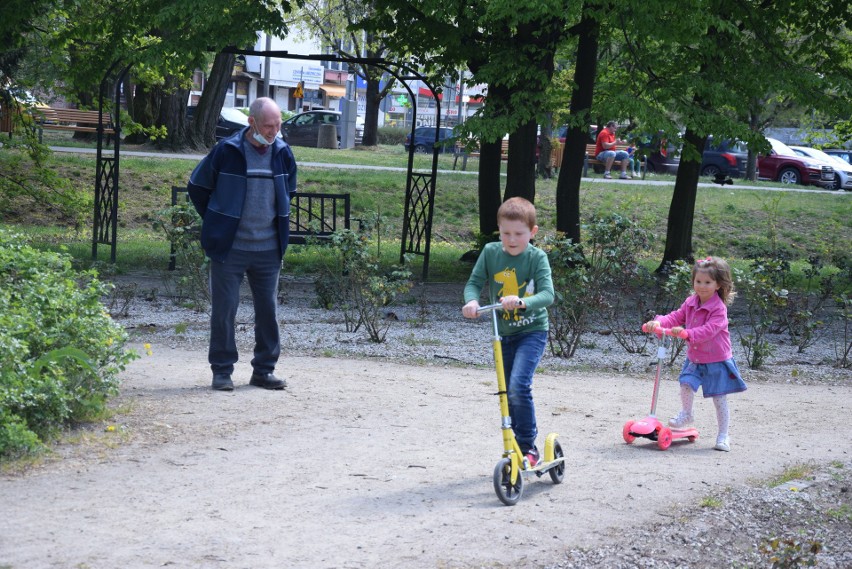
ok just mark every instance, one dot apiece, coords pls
pixel 719 378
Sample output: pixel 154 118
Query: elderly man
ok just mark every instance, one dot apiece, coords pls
pixel 242 191
pixel 606 153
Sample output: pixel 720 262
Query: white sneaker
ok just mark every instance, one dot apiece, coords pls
pixel 682 420
pixel 723 443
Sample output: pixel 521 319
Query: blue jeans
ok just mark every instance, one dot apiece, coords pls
pixel 262 269
pixel 521 354
pixel 615 154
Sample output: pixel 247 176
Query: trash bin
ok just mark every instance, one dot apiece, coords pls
pixel 327 137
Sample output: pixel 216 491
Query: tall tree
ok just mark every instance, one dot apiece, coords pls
pixel 336 23
pixel 510 50
pixel 162 41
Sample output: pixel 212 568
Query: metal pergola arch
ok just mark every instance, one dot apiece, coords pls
pixel 419 186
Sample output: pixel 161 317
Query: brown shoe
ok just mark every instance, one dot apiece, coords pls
pixel 267 381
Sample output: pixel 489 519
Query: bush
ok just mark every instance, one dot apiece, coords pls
pixel 391 135
pixel 60 353
pixel 356 283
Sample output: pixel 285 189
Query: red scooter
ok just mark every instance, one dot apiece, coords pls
pixel 650 427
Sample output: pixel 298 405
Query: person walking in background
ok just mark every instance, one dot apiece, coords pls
pixel 242 191
pixel 518 276
pixel 605 151
pixel 709 360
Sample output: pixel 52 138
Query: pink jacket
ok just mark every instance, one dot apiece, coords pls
pixel 707 326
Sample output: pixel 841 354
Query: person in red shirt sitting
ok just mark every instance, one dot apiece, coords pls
pixel 605 151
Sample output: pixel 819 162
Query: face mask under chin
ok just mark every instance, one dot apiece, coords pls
pixel 260 139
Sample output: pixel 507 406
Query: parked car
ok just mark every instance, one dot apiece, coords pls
pixel 424 139
pixel 303 129
pixel 661 155
pixel 845 155
pixel 725 157
pixel 842 170
pixel 231 120
pixel 782 164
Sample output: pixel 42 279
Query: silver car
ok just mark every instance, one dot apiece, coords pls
pixel 842 169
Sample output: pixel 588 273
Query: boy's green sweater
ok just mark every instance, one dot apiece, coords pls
pixel 526 275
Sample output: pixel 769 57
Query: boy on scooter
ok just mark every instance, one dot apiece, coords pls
pixel 518 277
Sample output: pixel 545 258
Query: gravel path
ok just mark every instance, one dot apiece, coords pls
pixel 354 464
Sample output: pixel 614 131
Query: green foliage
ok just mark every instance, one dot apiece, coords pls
pixel 843 340
pixel 28 182
pixel 181 225
pixel 792 552
pixel 356 283
pixel 765 297
pixel 589 278
pixel 392 135
pixel 60 353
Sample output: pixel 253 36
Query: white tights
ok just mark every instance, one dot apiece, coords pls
pixel 723 414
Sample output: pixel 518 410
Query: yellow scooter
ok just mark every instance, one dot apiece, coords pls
pixel 511 469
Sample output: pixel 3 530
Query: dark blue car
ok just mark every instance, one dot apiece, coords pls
pixel 424 139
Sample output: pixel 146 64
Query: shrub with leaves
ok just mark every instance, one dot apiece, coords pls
pixel 588 278
pixel 801 314
pixel 765 299
pixel 181 225
pixel 60 352
pixel 360 286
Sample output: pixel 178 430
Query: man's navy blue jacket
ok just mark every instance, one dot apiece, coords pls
pixel 217 188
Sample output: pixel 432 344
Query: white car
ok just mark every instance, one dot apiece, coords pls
pixel 842 169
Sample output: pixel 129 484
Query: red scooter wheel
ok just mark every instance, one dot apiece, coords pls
pixel 625 432
pixel 664 438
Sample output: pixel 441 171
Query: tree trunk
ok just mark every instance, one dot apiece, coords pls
pixel 371 112
pixel 682 209
pixel 520 170
pixel 172 114
pixel 202 131
pixel 568 183
pixel 144 105
pixel 489 187
pixel 544 168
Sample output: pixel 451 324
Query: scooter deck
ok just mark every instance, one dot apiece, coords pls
pixel 686 433
pixel 543 467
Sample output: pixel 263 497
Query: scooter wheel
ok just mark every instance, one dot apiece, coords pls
pixel 664 438
pixel 625 432
pixel 557 473
pixel 508 493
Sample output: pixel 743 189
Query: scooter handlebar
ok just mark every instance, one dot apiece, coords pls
pixel 660 331
pixel 488 307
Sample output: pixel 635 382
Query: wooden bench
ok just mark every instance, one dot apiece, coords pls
pixel 464 154
pixel 311 215
pixel 75 120
pixel 591 159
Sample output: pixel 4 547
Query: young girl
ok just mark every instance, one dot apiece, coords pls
pixel 709 361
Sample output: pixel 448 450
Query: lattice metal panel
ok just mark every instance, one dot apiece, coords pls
pixel 417 226
pixel 105 202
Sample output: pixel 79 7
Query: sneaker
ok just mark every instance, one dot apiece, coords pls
pixel 222 382
pixel 624 176
pixel 533 456
pixel 723 443
pixel 267 381
pixel 607 176
pixel 682 420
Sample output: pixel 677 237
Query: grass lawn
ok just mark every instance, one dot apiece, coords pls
pixel 735 223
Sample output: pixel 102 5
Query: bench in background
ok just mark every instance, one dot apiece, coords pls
pixel 461 152
pixel 311 215
pixel 591 160
pixel 75 120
